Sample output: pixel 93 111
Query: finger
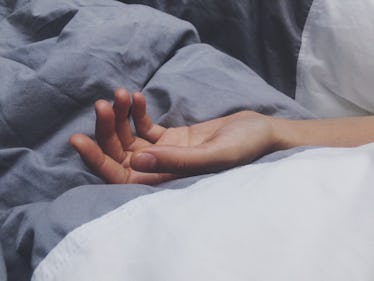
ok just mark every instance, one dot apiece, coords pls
pixel 143 123
pixel 109 170
pixel 203 159
pixel 102 165
pixel 150 178
pixel 106 134
pixel 121 109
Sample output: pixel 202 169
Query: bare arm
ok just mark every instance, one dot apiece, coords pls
pixel 159 154
pixel 339 132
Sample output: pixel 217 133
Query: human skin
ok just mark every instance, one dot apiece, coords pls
pixel 159 154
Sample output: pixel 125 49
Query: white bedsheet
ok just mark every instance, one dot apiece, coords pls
pixel 306 217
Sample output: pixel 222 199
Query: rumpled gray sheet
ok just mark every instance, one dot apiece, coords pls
pixel 56 59
pixel 265 35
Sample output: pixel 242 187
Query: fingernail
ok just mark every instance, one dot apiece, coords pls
pixel 145 162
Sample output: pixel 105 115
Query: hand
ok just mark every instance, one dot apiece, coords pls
pixel 159 154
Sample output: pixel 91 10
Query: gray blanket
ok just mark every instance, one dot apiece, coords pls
pixel 56 59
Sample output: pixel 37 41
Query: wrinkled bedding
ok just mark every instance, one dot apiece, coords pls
pixel 57 58
pixel 250 229
pixel 265 35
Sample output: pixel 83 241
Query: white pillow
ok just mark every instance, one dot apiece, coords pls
pixel 335 71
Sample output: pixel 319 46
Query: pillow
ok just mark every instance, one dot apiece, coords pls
pixel 335 71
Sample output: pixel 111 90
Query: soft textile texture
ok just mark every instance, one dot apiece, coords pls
pixel 336 62
pixel 265 35
pixel 258 222
pixel 56 59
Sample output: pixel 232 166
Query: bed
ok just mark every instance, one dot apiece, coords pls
pixel 301 214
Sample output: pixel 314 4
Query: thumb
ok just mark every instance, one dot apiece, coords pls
pixel 183 160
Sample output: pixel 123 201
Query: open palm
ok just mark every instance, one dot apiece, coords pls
pixel 159 154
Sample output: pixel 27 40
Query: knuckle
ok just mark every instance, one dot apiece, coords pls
pixel 181 165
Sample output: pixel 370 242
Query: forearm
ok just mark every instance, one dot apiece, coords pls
pixel 340 132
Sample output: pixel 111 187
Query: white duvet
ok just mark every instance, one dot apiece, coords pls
pixel 306 217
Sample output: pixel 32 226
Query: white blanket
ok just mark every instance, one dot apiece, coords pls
pixel 306 217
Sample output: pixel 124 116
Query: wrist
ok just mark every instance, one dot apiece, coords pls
pixel 283 134
pixel 286 133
